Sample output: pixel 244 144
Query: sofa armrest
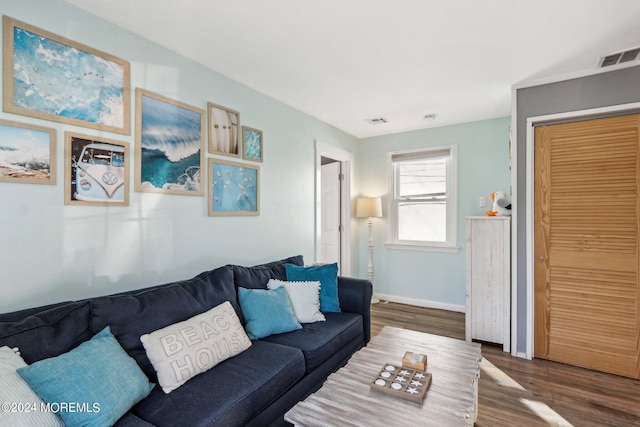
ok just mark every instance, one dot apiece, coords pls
pixel 355 297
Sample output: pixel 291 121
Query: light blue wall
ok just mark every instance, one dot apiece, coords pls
pixel 483 167
pixel 51 252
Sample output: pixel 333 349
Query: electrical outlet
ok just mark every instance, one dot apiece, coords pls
pixel 482 202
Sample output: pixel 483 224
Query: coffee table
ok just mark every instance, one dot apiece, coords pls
pixel 346 399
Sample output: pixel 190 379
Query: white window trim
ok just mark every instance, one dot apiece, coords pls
pixel 450 245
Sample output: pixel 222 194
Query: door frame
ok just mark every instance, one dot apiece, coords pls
pixel 346 160
pixel 529 200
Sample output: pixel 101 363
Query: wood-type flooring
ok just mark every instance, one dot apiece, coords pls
pixel 518 392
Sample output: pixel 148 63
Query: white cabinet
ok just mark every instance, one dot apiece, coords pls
pixel 488 280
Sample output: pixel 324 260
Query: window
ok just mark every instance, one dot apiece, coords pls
pixel 423 198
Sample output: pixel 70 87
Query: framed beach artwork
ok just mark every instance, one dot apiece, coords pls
pixel 53 78
pixel 252 143
pixel 224 130
pixel 234 188
pixel 169 145
pixel 96 171
pixel 27 153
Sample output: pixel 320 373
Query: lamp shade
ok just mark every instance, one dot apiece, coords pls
pixel 369 207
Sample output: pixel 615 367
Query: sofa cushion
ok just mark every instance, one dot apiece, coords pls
pixel 135 314
pixel 321 340
pixel 327 275
pixel 278 266
pixel 15 391
pixel 258 276
pixel 185 349
pixel 305 299
pixel 267 312
pixel 97 375
pixel 15 316
pixel 131 420
pixel 232 393
pixel 50 332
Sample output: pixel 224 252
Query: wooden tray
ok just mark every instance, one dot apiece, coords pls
pixel 409 384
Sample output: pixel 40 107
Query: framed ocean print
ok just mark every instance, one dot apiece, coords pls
pixel 252 144
pixel 224 130
pixel 96 171
pixel 53 78
pixel 27 153
pixel 234 188
pixel 169 152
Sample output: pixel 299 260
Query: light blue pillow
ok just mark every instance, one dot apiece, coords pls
pixel 92 385
pixel 267 312
pixel 327 275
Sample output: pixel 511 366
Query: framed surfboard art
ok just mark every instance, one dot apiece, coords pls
pixel 224 131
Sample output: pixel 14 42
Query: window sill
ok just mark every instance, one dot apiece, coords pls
pixel 408 246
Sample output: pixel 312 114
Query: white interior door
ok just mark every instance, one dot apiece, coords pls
pixel 330 213
pixel 324 152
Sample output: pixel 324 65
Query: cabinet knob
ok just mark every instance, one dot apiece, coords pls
pixel 541 257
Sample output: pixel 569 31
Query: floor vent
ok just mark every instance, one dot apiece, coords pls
pixel 619 57
pixel 377 120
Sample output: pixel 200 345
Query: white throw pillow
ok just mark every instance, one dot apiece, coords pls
pixel 21 405
pixel 185 349
pixel 305 299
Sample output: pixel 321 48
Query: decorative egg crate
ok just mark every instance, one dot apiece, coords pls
pixel 409 384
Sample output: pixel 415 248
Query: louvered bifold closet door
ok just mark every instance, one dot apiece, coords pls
pixel 587 299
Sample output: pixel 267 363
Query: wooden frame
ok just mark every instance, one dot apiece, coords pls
pixel 234 188
pixel 96 171
pixel 169 150
pixel 252 144
pixel 27 153
pixel 67 82
pixel 224 130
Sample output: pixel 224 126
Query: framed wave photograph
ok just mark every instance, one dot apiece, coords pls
pixel 169 151
pixel 27 153
pixel 96 171
pixel 224 130
pixel 252 143
pixel 53 78
pixel 234 188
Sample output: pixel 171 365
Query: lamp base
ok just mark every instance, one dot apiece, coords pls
pixel 375 300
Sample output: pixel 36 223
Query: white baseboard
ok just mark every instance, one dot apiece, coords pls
pixel 422 303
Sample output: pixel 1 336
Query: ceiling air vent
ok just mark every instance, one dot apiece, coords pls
pixel 377 120
pixel 619 57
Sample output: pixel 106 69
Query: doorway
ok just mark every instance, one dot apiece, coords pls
pixel 330 212
pixel 333 206
pixel 587 244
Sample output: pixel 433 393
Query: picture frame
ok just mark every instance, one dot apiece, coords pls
pixel 65 81
pixel 252 143
pixel 96 171
pixel 224 130
pixel 27 153
pixel 234 188
pixel 169 150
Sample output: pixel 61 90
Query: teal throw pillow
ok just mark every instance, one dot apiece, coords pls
pixel 92 385
pixel 267 312
pixel 327 275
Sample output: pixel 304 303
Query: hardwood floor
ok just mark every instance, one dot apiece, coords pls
pixel 520 392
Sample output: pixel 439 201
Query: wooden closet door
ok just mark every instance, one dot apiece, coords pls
pixel 586 244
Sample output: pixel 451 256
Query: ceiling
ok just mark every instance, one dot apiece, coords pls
pixel 346 61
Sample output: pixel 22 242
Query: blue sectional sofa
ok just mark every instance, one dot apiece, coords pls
pixel 254 388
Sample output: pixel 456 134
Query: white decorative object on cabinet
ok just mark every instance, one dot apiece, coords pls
pixel 488 280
